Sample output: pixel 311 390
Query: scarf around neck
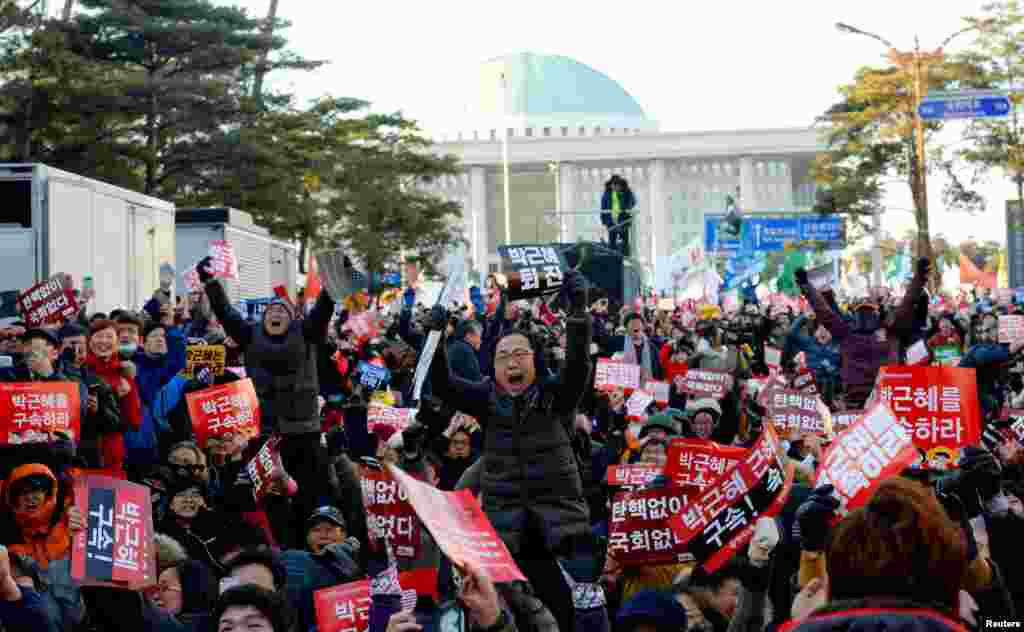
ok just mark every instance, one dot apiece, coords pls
pixel 629 356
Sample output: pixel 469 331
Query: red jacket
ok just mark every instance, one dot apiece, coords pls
pixel 112 445
pixel 671 369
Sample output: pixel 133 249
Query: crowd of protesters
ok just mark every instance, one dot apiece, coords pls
pixel 509 411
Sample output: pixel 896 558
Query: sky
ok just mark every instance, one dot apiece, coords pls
pixel 732 64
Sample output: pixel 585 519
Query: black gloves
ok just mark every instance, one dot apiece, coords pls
pixel 437 319
pixel 413 438
pixel 203 270
pixel 813 517
pixel 801 276
pixel 923 266
pixel 978 480
pixel 575 287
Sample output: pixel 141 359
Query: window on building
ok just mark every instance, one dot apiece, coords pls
pixel 565 131
pixel 547 131
pixel 493 268
pixel 476 135
pixel 511 132
pixel 529 131
pixel 611 131
pixel 583 131
pixel 494 134
pixel 597 131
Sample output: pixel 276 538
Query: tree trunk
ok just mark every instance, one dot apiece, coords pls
pixel 303 247
pixel 68 6
pixel 261 67
pixel 151 137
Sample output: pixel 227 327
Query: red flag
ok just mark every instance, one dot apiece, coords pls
pixel 313 286
pixel 969 273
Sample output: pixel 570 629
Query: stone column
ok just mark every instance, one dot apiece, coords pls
pixel 479 247
pixel 748 177
pixel 656 223
pixel 567 197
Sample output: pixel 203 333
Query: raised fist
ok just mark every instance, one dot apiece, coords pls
pixel 203 270
pixel 923 266
pixel 801 276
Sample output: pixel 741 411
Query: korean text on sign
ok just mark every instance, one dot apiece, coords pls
pixel 223 260
pixel 638 530
pixel 217 411
pixel 636 406
pixel 47 302
pixel 346 608
pixel 698 463
pixel 632 474
pixel 373 376
pixel 795 412
pixel 390 516
pixel 383 415
pixel 872 450
pixel 718 521
pixel 34 412
pixel 938 406
pixel 460 528
pixel 1011 328
pixel 707 383
pixel 265 468
pixel 611 375
pixel 539 268
pixel 116 548
pixel 198 357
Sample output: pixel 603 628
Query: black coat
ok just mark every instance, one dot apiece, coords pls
pixel 530 473
pixel 463 361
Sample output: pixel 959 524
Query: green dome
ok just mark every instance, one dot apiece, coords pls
pixel 554 87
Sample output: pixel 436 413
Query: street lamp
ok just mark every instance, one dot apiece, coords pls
pixel 918 63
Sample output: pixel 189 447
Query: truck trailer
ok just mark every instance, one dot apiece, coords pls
pixel 52 221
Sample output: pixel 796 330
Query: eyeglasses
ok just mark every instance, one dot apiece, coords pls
pixel 194 469
pixel 521 355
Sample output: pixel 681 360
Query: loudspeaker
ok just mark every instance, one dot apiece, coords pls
pixel 605 268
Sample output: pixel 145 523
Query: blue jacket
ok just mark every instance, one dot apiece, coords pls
pixel 154 377
pixel 988 360
pixel 822 360
pixel 28 614
pixel 626 201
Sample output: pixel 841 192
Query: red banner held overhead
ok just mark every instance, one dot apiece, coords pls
pixel 47 302
pixel 346 608
pixel 460 528
pixel 218 411
pixel 638 530
pixel 876 448
pixel 698 463
pixel 612 374
pixel 706 383
pixel 390 517
pixel 116 548
pixel 937 405
pixel 632 474
pixel 35 412
pixel 716 523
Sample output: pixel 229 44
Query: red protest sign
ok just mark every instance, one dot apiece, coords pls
pixel 227 409
pixel 116 548
pixel 872 450
pixel 390 516
pixel 34 412
pixel 795 413
pixel 639 531
pixel 346 608
pixel 612 374
pixel 632 474
pixel 223 262
pixel 265 469
pixel 47 302
pixel 383 415
pixel 706 383
pixel 937 405
pixel 720 520
pixel 697 463
pixel 460 528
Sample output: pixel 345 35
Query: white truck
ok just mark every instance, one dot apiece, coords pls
pixel 52 221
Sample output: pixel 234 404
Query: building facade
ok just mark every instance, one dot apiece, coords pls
pixel 569 129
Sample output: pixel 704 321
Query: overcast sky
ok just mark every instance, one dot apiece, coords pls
pixel 692 66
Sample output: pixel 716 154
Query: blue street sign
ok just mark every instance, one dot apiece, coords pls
pixel 964 107
pixel 772 235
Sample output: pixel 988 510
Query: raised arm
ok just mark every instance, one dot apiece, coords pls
pixel 314 328
pixel 578 334
pixel 472 398
pixel 832 321
pixel 904 317
pixel 233 322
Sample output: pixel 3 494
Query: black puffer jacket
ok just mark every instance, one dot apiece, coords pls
pixel 873 616
pixel 530 474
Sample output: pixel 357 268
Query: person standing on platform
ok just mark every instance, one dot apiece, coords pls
pixel 616 203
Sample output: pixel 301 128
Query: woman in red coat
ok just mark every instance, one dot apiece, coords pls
pixel 120 376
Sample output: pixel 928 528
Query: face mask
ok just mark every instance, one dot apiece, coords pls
pixel 128 349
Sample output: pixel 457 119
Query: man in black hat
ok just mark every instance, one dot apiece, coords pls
pixel 39 363
pixel 325 527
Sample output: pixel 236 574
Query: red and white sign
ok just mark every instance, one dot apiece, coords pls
pixel 34 412
pixel 460 528
pixel 697 463
pixel 706 383
pixel 390 516
pixel 223 262
pixel 611 375
pixel 660 391
pixel 116 547
pixel 265 469
pixel 795 412
pixel 228 409
pixel 383 415
pixel 872 450
pixel 47 302
pixel 346 608
pixel 638 529
pixel 937 405
pixel 1011 328
pixel 917 353
pixel 716 523
pixel 633 474
pixel 636 406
